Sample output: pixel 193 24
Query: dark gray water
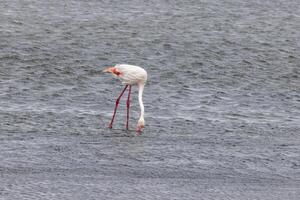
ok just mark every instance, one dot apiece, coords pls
pixel 222 101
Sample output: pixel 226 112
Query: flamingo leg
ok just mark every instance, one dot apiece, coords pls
pixel 128 106
pixel 116 106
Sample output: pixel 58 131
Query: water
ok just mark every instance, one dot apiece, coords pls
pixel 222 101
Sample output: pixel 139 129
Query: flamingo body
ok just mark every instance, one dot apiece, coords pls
pixel 130 75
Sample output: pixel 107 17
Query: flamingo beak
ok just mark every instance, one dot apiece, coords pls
pixel 139 129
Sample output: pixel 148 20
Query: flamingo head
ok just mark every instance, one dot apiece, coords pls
pixel 140 125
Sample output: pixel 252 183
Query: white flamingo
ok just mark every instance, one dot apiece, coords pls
pixel 131 75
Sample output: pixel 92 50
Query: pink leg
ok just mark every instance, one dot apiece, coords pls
pixel 128 105
pixel 117 103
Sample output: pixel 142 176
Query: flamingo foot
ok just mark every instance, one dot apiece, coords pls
pixel 110 126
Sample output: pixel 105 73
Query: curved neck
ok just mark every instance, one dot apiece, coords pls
pixel 141 90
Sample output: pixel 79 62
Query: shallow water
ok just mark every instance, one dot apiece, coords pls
pixel 222 101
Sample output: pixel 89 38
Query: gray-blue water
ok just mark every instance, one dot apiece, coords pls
pixel 222 101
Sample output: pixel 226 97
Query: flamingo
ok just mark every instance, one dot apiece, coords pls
pixel 131 75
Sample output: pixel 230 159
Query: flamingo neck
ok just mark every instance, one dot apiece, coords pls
pixel 141 90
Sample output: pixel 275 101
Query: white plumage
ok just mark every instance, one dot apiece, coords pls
pixel 130 75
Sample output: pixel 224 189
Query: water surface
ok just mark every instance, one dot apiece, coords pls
pixel 222 101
